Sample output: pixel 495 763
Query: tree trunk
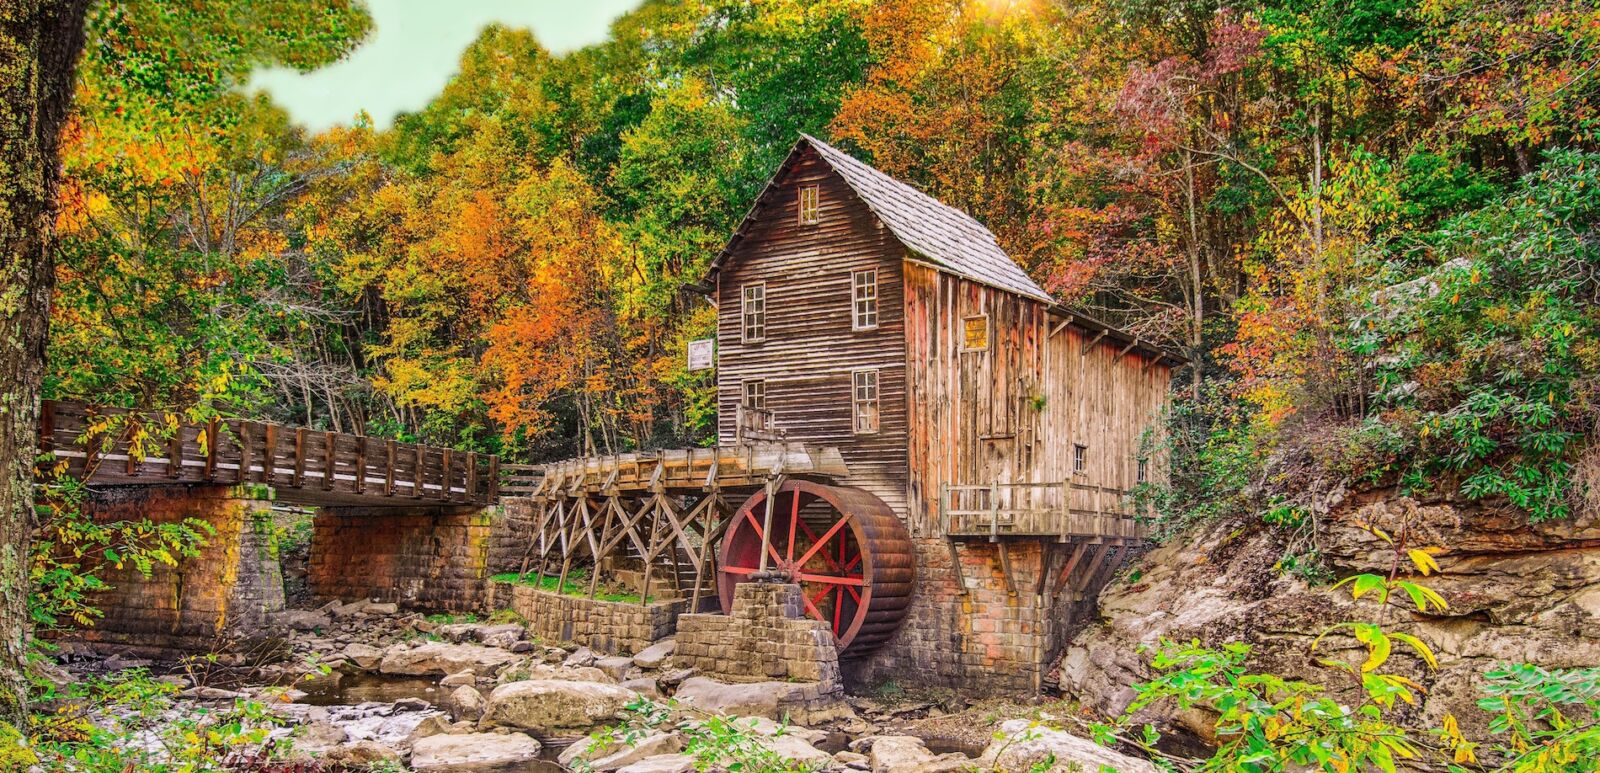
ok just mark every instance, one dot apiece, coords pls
pixel 40 41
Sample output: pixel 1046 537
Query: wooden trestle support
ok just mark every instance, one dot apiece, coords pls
pixel 704 515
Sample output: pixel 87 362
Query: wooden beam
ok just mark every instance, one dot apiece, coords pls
pixel 269 465
pixel 1088 347
pixel 211 449
pixel 329 448
pixel 174 452
pixel 955 566
pixel 1066 569
pixel 388 467
pixel 1005 569
pixel 1124 352
pixel 1059 326
pixel 299 457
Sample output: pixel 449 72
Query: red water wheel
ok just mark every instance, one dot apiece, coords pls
pixel 848 551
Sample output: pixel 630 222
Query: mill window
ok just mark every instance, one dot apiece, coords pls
pixel 1080 459
pixel 864 403
pixel 755 393
pixel 865 296
pixel 753 312
pixel 1143 475
pixel 809 195
pixel 975 333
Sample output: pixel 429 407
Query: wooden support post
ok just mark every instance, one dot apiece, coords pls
pixel 299 457
pixel 361 464
pixel 1046 551
pixel 1124 352
pixel 766 525
pixel 416 474
pixel 130 465
pixel 242 474
pixel 211 449
pixel 994 512
pixel 269 459
pixel 47 427
pixel 494 478
pixel 330 443
pixel 175 452
pixel 472 477
pixel 1005 569
pixel 444 476
pixel 1089 573
pixel 388 468
pixel 1066 569
pixel 955 565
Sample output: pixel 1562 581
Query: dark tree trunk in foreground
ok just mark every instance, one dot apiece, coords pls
pixel 39 45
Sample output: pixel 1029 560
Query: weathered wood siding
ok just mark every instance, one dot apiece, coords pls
pixel 1013 412
pixel 810 349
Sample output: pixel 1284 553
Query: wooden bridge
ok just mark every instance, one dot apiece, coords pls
pixel 105 446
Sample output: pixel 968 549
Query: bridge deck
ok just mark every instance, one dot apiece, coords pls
pixel 107 446
pixel 698 469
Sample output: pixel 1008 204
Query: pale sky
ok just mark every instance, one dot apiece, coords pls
pixel 414 49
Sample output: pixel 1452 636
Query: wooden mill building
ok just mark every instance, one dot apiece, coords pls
pixel 910 429
pixel 857 313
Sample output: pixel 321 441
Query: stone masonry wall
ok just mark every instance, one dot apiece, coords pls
pixel 612 627
pixel 986 641
pixel 767 637
pixel 510 531
pixel 435 562
pixel 221 598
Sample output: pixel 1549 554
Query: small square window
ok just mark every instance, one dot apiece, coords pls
pixel 1143 475
pixel 755 393
pixel 753 312
pixel 975 333
pixel 864 295
pixel 1080 459
pixel 864 401
pixel 809 197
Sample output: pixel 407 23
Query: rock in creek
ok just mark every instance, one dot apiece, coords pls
pixel 474 753
pixel 554 708
pixel 1024 747
pixel 440 659
pixel 618 754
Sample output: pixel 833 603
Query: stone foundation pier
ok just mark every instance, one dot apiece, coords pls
pixel 434 559
pixel 220 599
pixel 768 637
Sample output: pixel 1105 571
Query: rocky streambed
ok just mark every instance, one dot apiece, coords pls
pixel 368 686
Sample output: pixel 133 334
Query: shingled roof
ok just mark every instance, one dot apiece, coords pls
pixel 935 232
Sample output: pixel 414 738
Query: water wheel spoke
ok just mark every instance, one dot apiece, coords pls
pixel 739 569
pixel 817 613
pixel 832 565
pixel 837 525
pixel 761 536
pixel 794 518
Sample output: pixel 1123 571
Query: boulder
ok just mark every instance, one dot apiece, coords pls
pixel 433 724
pixel 362 754
pixel 439 659
pixel 554 708
pixel 467 702
pixel 655 655
pixel 380 608
pixel 789 746
pixel 804 702
pixel 898 754
pixel 615 667
pixel 582 656
pixel 612 755
pixel 319 736
pixel 302 619
pixel 1022 745
pixel 527 671
pixel 474 753
pixel 664 763
pixel 644 686
pixel 459 678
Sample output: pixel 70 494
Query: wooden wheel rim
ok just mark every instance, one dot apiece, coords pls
pixel 741 546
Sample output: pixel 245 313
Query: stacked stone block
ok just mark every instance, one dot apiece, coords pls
pixel 612 627
pixel 511 529
pixel 431 561
pixel 219 599
pixel 767 637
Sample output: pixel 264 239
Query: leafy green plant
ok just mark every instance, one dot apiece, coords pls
pixel 1550 717
pixel 714 741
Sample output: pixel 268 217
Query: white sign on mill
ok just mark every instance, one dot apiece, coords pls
pixel 702 354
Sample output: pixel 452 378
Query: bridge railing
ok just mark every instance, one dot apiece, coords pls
pixel 112 446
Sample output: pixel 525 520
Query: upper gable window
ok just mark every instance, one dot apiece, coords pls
pixel 753 312
pixel 809 197
pixel 864 295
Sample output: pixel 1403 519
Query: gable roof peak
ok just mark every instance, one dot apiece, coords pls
pixel 933 230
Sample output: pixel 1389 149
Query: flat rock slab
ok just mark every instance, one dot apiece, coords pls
pixel 665 763
pixel 805 703
pixel 474 753
pixel 440 659
pixel 552 707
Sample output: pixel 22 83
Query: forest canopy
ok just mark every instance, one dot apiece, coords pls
pixel 1374 212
